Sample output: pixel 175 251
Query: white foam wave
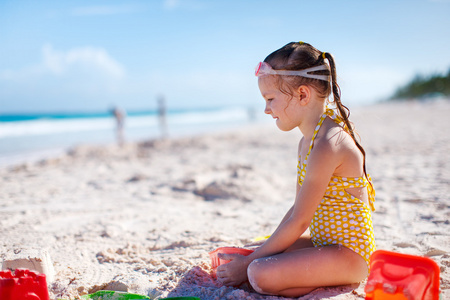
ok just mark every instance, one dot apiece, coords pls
pixel 58 126
pixel 45 127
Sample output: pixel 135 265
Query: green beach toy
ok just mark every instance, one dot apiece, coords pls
pixel 113 295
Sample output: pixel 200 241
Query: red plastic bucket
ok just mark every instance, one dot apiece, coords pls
pixel 216 261
pixel 402 276
pixel 23 284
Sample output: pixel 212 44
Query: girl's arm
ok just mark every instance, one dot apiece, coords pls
pixel 322 163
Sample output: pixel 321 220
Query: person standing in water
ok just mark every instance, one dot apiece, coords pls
pixel 162 116
pixel 119 116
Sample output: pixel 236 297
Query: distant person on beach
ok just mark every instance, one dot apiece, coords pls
pixel 326 238
pixel 162 116
pixel 251 112
pixel 119 115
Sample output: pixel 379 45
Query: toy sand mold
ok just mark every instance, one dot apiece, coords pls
pixel 113 295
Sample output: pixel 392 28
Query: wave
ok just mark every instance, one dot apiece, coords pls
pixel 57 124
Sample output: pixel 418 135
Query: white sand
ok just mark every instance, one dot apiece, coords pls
pixel 142 218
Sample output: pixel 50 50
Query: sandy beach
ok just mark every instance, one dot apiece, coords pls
pixel 142 218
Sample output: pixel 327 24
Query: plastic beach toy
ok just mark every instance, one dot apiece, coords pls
pixel 216 261
pixel 23 284
pixel 395 276
pixel 114 295
pixel 261 238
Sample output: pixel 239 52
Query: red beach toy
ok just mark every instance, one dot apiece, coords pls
pixel 216 261
pixel 23 284
pixel 395 276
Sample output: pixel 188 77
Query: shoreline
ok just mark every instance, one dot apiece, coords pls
pixel 32 149
pixel 143 218
pixel 45 133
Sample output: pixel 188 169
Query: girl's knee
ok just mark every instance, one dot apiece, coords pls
pixel 257 276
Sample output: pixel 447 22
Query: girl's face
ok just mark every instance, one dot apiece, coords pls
pixel 283 108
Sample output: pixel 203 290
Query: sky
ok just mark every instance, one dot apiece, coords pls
pixel 88 55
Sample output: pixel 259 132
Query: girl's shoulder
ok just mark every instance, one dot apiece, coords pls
pixel 336 146
pixel 333 140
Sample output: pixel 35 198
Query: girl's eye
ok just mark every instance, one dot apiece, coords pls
pixel 270 99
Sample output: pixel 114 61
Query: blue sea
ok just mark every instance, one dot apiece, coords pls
pixel 30 137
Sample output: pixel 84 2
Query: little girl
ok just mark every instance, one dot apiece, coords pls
pixel 326 238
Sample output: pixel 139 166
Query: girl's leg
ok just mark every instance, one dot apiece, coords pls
pixel 298 272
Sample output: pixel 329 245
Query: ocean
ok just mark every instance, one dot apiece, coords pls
pixel 31 137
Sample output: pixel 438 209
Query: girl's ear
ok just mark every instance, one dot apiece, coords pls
pixel 304 94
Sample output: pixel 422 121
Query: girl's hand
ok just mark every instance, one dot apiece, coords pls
pixel 235 272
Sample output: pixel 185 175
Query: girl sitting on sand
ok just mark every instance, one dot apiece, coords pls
pixel 334 192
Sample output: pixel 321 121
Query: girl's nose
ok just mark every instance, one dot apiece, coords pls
pixel 267 110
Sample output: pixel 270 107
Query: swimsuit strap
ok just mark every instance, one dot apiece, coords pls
pixel 331 113
pixel 328 112
pixel 371 192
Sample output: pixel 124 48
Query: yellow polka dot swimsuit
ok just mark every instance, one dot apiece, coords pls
pixel 341 218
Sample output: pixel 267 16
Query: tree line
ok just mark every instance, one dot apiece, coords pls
pixel 425 86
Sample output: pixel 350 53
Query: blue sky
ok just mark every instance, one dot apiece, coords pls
pixel 88 55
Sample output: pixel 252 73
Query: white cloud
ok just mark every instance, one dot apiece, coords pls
pixel 59 62
pixel 76 61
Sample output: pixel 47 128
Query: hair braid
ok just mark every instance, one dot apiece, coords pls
pixel 342 109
